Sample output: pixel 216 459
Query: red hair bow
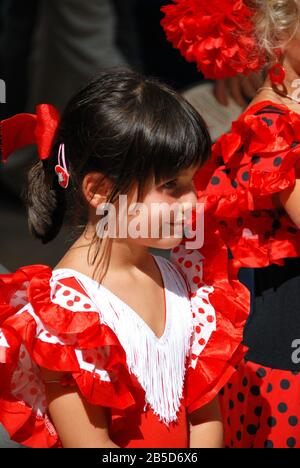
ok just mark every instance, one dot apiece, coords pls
pixel 28 129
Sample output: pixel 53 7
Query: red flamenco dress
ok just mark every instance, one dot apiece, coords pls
pixel 240 187
pixel 64 321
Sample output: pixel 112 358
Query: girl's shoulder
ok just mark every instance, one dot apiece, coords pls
pixel 250 166
pixel 48 320
pixel 259 111
pixel 53 306
pixel 265 132
pixel 266 128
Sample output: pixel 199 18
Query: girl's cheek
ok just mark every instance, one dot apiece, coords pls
pixel 165 200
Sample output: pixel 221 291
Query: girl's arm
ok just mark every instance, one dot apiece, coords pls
pixel 79 424
pixel 206 427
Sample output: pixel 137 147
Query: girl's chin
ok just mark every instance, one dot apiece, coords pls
pixel 166 243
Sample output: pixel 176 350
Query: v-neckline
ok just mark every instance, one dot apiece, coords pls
pixel 128 307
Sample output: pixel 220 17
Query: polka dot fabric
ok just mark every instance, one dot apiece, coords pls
pixel 220 306
pixel 19 299
pixel 27 385
pixel 250 166
pixel 204 315
pixel 68 296
pixel 261 408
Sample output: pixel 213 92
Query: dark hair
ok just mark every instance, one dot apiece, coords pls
pixel 125 126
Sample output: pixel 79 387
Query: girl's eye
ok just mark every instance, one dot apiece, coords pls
pixel 170 185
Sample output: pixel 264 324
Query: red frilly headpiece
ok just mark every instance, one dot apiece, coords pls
pixel 216 34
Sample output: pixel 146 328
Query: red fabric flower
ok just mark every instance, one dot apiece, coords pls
pixel 218 35
pixel 250 166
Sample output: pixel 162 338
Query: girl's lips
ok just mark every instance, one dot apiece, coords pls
pixel 177 224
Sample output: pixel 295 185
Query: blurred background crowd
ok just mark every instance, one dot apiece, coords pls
pixel 49 49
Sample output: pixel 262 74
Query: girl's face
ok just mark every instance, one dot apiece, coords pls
pixel 159 217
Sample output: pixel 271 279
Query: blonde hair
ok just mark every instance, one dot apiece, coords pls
pixel 276 23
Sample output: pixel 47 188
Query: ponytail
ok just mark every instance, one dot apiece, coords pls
pixel 45 204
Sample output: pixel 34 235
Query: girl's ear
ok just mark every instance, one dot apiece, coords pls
pixel 96 188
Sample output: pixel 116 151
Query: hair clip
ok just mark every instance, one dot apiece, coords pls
pixel 61 168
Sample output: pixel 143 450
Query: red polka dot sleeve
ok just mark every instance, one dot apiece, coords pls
pixel 57 327
pixel 220 306
pixel 250 166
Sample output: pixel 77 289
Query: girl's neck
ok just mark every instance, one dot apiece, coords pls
pixel 125 256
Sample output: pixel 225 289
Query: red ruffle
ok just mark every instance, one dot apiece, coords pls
pixel 218 35
pixel 231 302
pixel 77 331
pixel 24 427
pixel 256 161
pixel 11 283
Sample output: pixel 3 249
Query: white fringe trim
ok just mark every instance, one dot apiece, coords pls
pixel 159 364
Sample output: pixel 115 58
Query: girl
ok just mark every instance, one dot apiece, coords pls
pixel 116 347
pixel 251 188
